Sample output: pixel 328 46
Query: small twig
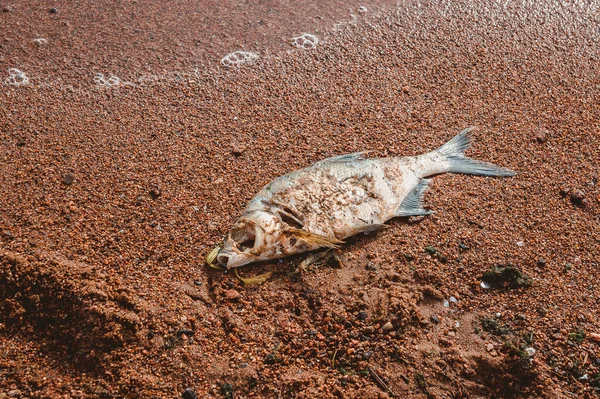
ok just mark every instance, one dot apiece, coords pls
pixel 380 382
pixel 333 359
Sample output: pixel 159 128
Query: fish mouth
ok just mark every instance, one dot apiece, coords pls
pixel 223 257
pixel 230 259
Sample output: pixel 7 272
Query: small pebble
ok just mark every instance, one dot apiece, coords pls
pixel 238 149
pixel 446 303
pixel 578 199
pixel 362 316
pixel 541 262
pixel 434 319
pixel 453 299
pixel 53 10
pixel 232 294
pixel 542 136
pixel 154 193
pixel 68 179
pixel 530 351
pixel 485 285
pixel 594 337
pixel 270 359
pixel 189 394
pixel 387 327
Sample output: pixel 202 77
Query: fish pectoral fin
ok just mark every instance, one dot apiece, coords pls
pixel 314 239
pixel 412 205
pixel 371 227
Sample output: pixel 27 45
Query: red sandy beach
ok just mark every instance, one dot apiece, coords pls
pixel 127 151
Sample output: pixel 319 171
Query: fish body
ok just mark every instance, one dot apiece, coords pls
pixel 321 205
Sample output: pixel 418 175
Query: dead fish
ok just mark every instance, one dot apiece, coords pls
pixel 321 205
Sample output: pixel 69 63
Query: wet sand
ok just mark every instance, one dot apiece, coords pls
pixel 112 196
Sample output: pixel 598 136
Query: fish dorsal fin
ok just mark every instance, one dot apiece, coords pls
pixel 355 156
pixel 412 205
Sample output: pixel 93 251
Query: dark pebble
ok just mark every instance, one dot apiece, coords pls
pixel 362 316
pixel 197 282
pixel 53 10
pixel 542 136
pixel 68 179
pixel 6 9
pixel 434 319
pixel 542 311
pixel 189 394
pixel 187 332
pixel 238 149
pixel 541 262
pixel 270 359
pixel 462 246
pixel 155 193
pixel 367 355
pixel 577 197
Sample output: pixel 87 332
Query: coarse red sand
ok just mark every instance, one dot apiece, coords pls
pixel 111 197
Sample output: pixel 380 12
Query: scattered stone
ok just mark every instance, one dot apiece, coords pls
pixel 493 326
pixel 6 9
pixel 232 294
pixel 446 303
pixel 367 355
pixel 435 253
pixel 155 192
pixel 189 394
pixel 40 41
pixel 362 9
pixel 53 10
pixel 387 327
pixel 453 300
pixel 270 359
pixel 529 351
pixel 541 136
pixel 578 198
pixel 227 391
pixel 434 319
pixel 502 276
pixel 485 285
pixel 186 332
pixel 541 262
pixel 362 316
pixel 594 337
pixel 577 336
pixel 463 247
pixel 68 179
pixel 238 149
pixel 489 347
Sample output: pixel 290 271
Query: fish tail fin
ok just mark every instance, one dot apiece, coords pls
pixel 454 153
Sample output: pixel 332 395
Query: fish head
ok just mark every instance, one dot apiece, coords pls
pixel 261 235
pixel 256 236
